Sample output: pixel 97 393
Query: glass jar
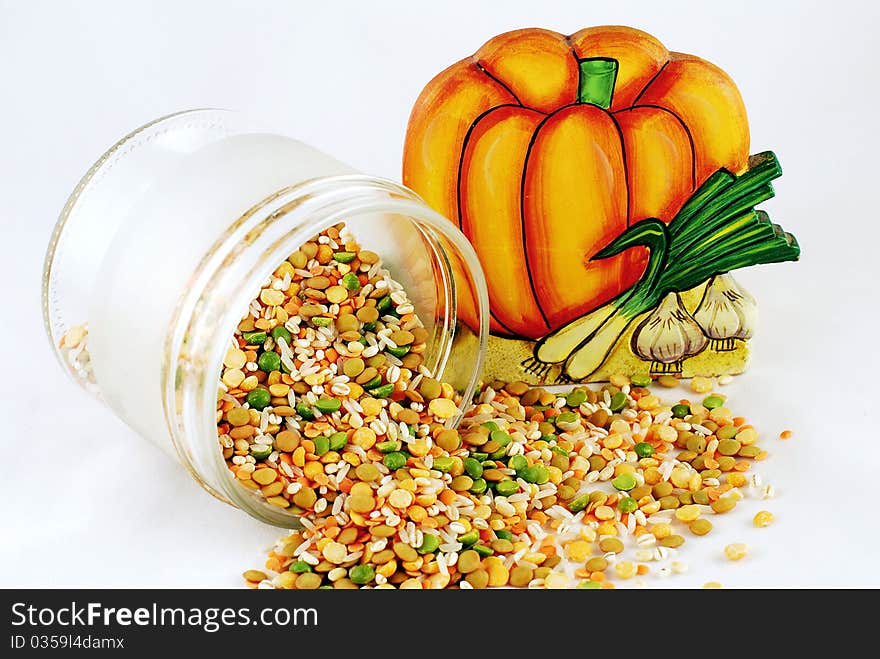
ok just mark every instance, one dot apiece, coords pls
pixel 169 236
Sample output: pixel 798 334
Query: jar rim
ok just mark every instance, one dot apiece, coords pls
pixel 195 348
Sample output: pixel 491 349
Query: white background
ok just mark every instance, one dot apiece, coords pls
pixel 85 501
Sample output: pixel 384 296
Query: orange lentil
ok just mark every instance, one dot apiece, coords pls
pixel 447 496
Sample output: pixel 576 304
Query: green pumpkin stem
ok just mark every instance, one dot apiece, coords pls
pixel 596 82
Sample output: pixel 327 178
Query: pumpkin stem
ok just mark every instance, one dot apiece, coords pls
pixel 596 82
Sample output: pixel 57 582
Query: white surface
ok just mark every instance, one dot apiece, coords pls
pixel 87 502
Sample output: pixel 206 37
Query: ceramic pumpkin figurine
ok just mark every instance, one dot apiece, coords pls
pixel 545 148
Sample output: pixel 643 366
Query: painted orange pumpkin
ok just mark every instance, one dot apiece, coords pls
pixel 544 147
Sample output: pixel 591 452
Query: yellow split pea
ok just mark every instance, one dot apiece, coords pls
pixel 443 408
pixel 762 518
pixel 736 551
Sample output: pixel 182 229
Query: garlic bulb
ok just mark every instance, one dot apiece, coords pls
pixel 667 336
pixel 726 312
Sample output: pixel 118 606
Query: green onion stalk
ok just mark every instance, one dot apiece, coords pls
pixel 716 230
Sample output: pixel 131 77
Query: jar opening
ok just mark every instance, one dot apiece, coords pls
pixel 434 263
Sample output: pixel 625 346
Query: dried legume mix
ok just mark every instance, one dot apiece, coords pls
pixel 327 410
pixel 323 390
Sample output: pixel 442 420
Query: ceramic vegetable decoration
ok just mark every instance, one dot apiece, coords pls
pixel 607 187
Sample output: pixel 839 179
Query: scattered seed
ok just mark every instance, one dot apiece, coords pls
pixel 700 526
pixel 735 551
pixel 762 518
pixel 625 569
pixel 724 504
pixel 672 541
pixel 613 545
